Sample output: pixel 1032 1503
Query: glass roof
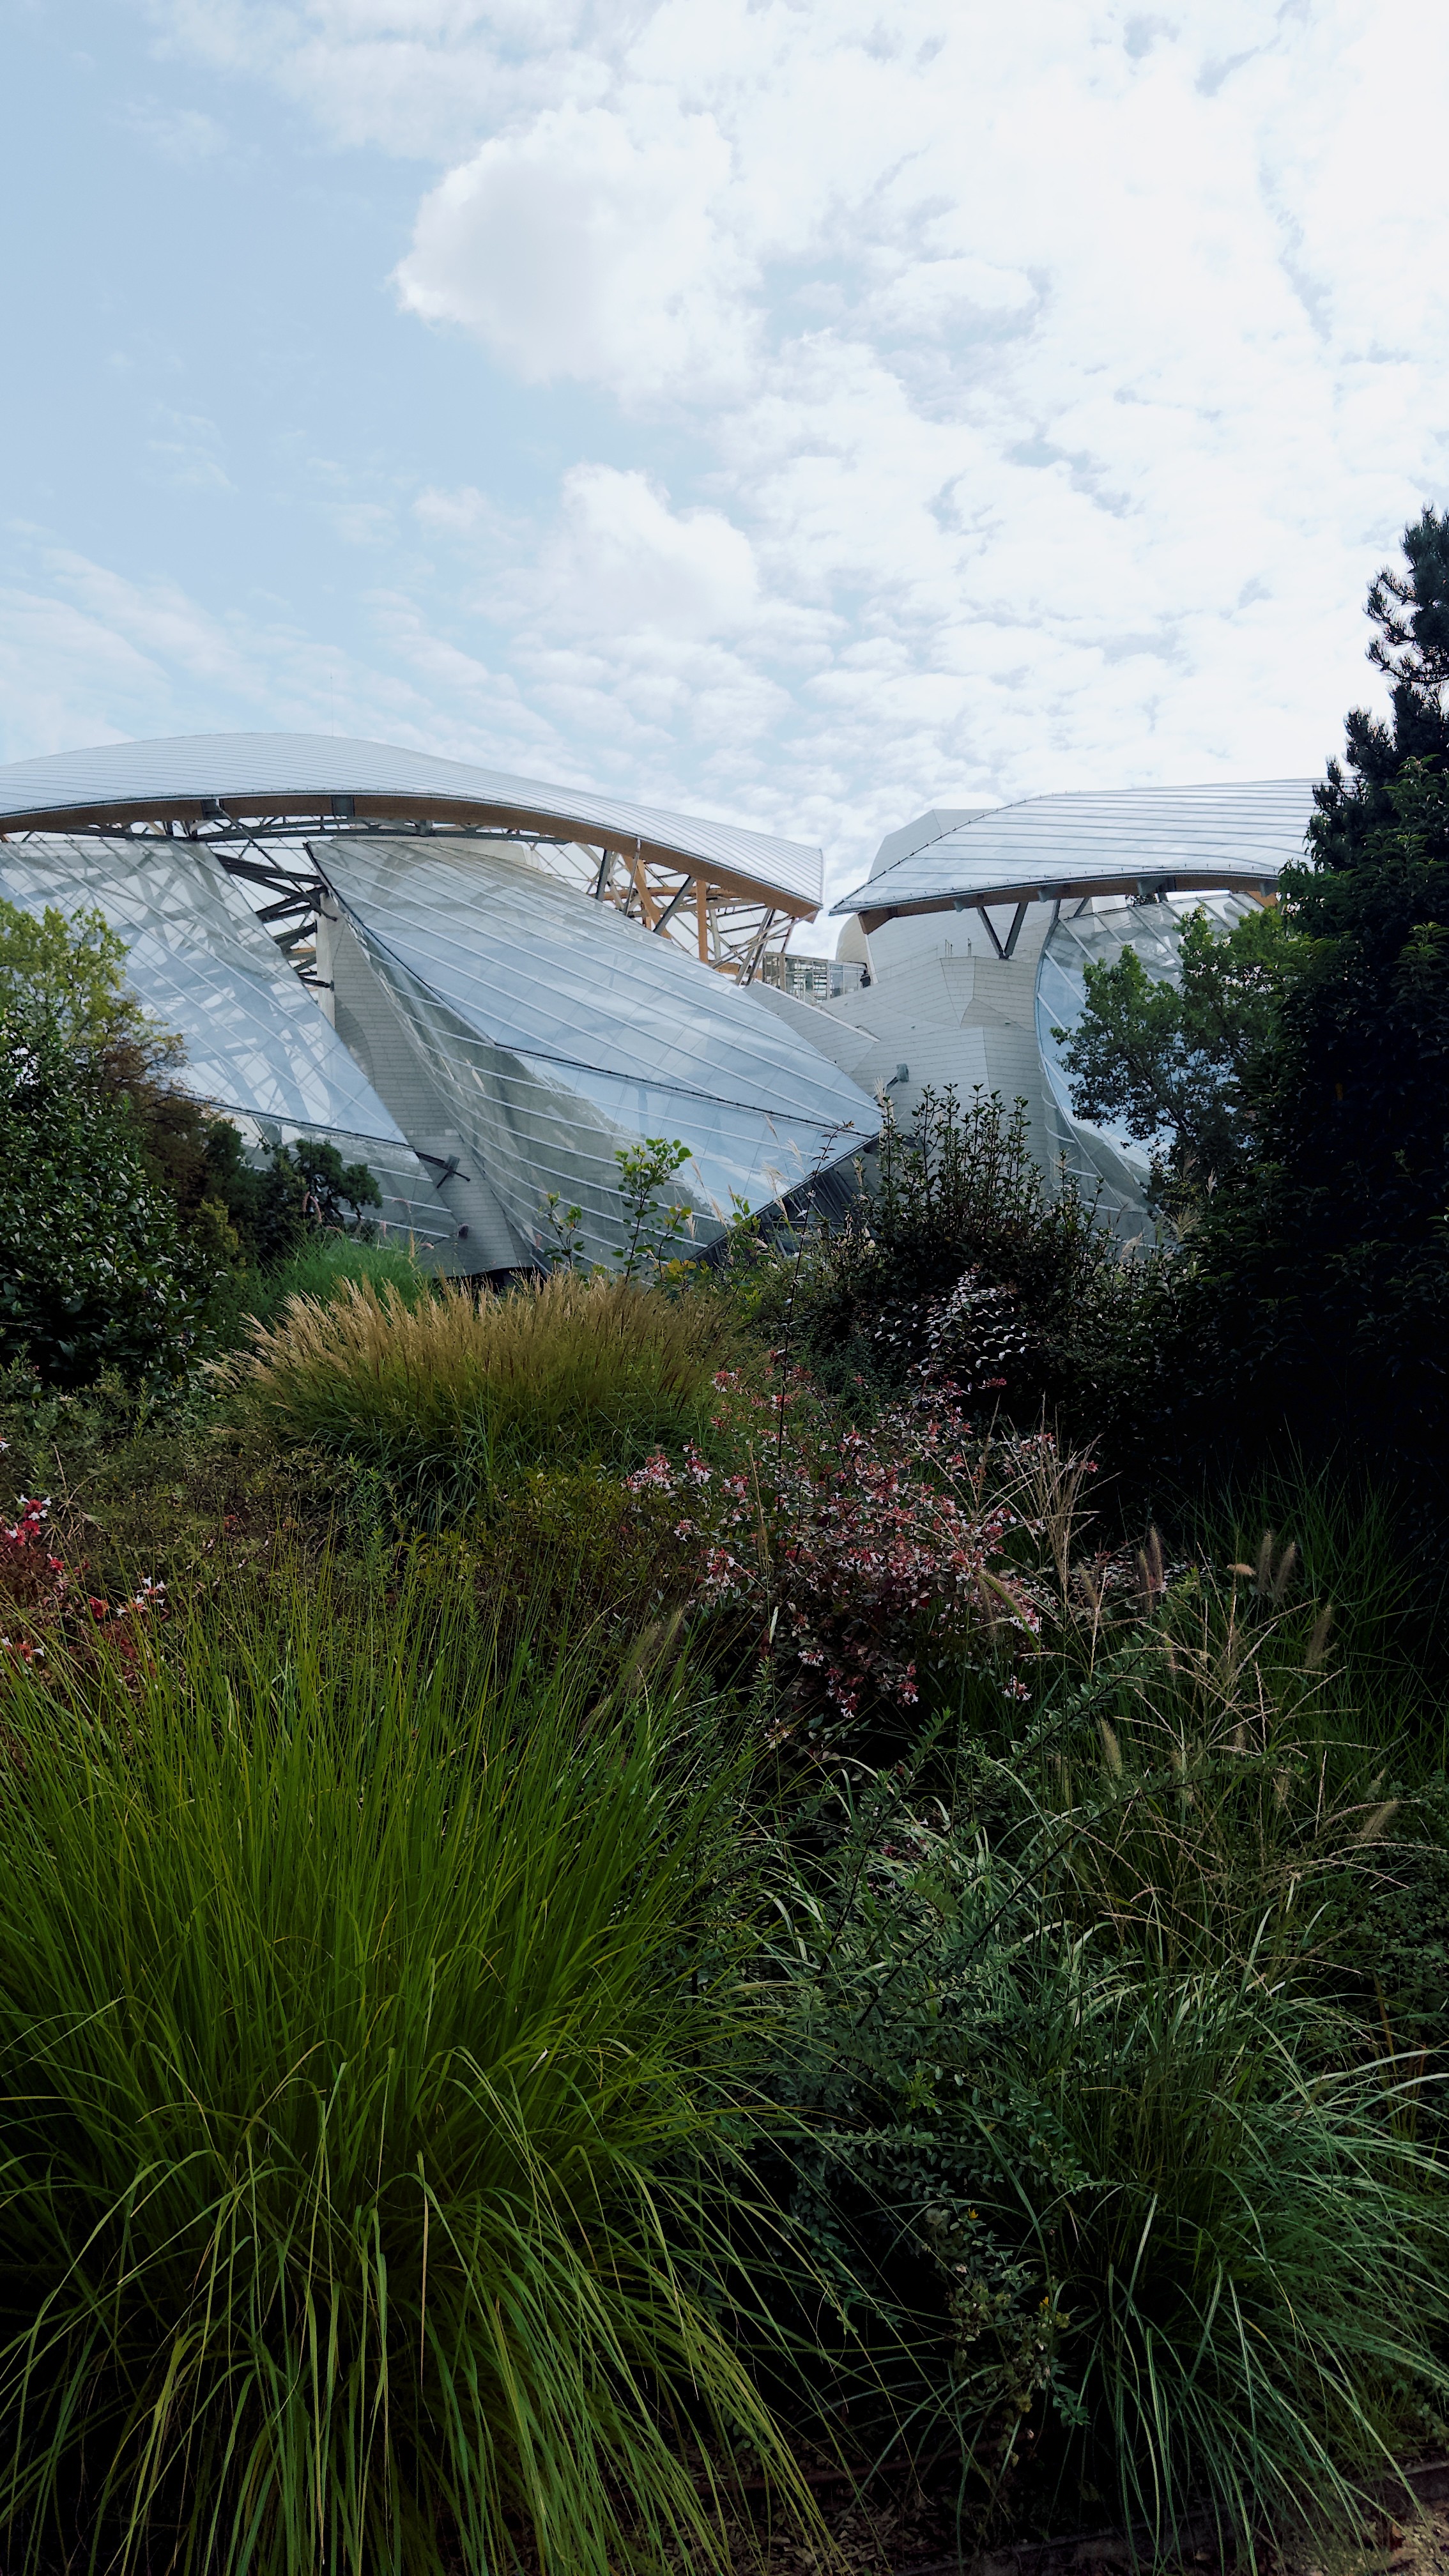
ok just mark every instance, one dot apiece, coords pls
pixel 316 769
pixel 1137 839
pixel 562 1032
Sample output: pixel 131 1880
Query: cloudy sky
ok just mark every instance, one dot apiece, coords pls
pixel 797 410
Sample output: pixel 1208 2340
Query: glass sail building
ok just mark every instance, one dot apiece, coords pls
pixel 485 987
pixel 488 988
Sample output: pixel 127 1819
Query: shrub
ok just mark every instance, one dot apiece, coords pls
pixel 359 2094
pixel 1119 2228
pixel 300 1190
pixel 43 1601
pixel 846 1553
pixel 452 1393
pixel 968 1266
pixel 320 1266
pixel 95 1272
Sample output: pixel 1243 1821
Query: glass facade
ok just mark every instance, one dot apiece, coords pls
pixel 257 1045
pixel 1132 840
pixel 558 1033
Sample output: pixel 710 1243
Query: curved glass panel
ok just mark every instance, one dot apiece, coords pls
pixel 246 766
pixel 256 1043
pixel 203 965
pixel 1141 840
pixel 560 1033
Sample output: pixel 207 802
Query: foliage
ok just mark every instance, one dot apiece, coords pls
pixel 846 1554
pixel 1123 2216
pixel 450 1394
pixel 300 1190
pixel 1181 1065
pixel 1319 1278
pixel 70 972
pixel 572 1551
pixel 320 1266
pixel 644 1170
pixel 72 969
pixel 970 1266
pixel 653 1228
pixel 45 1604
pixel 94 1270
pixel 358 2100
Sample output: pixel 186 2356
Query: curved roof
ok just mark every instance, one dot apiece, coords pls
pixel 1135 840
pixel 208 778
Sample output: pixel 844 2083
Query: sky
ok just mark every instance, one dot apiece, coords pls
pixel 796 411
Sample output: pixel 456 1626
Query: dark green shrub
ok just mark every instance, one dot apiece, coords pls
pixel 95 1271
pixel 1124 2233
pixel 967 1269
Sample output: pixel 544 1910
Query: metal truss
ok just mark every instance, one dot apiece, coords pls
pixel 726 928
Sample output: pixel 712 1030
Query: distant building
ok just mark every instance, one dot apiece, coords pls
pixel 486 987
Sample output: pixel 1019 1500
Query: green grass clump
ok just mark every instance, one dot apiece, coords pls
pixel 319 1268
pixel 357 2089
pixel 1131 2238
pixel 446 1395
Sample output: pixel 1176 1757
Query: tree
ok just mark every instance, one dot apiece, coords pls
pixel 1321 1265
pixel 75 966
pixel 95 1272
pixel 73 970
pixel 1182 1066
pixel 1297 1087
pixel 300 1188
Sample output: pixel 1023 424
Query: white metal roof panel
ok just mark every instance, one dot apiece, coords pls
pixel 1123 840
pixel 316 768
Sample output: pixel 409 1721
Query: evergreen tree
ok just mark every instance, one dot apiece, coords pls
pixel 1326 1256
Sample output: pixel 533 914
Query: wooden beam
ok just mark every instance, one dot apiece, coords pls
pixel 640 875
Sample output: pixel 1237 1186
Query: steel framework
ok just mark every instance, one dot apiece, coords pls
pixel 723 920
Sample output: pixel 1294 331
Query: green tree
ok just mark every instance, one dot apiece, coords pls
pixel 1321 1264
pixel 95 1271
pixel 1181 1066
pixel 75 967
pixel 300 1188
pixel 1295 1088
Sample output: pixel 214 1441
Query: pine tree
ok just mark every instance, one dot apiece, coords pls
pixel 1329 1252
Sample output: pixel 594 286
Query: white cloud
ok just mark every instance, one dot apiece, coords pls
pixel 185 135
pixel 187 449
pixel 592 244
pixel 995 400
pixel 620 561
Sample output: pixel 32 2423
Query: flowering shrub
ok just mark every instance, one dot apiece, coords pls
pixel 849 1550
pixel 41 1597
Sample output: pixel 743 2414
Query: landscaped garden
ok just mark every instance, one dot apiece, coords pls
pixel 790 1907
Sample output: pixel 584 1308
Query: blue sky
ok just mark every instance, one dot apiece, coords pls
pixel 800 413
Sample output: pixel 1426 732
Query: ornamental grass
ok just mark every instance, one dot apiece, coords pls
pixel 364 2060
pixel 447 1393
